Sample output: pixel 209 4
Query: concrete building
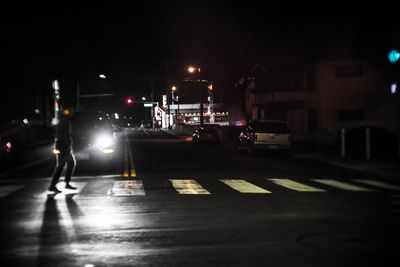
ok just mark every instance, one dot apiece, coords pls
pixel 319 99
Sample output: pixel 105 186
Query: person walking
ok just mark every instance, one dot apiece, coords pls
pixel 63 151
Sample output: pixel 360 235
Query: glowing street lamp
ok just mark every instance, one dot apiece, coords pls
pixel 192 69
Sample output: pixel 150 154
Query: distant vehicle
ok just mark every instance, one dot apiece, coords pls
pixel 265 135
pixel 93 136
pixel 122 122
pixel 145 124
pixel 205 134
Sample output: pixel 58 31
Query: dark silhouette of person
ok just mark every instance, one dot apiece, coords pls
pixel 63 151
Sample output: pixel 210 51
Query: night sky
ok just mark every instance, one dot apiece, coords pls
pixel 139 43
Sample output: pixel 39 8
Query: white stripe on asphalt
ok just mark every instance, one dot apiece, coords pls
pixel 244 187
pixel 8 189
pixel 379 184
pixel 342 185
pixel 296 186
pixel 127 188
pixel 188 187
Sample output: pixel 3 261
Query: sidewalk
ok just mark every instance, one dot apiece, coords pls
pixel 378 169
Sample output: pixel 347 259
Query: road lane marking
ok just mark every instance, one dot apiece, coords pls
pixel 342 185
pixel 296 186
pixel 244 187
pixel 130 170
pixel 8 189
pixel 127 188
pixel 188 187
pixel 379 184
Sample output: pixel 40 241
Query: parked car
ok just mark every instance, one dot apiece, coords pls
pixel 205 134
pixel 265 135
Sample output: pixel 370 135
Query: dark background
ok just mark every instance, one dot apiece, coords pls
pixel 144 46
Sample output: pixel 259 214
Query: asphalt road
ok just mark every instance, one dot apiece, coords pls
pixel 167 202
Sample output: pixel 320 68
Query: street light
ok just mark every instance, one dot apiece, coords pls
pixel 192 69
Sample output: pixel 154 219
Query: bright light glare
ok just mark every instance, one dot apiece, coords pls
pixel 393 88
pixel 55 85
pixel 8 146
pixel 393 56
pixel 102 76
pixel 103 140
pixel 116 115
pixel 192 69
pixel 108 151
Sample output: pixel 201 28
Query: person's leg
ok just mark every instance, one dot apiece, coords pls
pixel 70 170
pixel 60 162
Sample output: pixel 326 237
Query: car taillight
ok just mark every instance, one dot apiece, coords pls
pixel 251 136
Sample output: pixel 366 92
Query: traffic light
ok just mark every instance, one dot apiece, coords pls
pixel 129 100
pixel 393 56
pixel 394 71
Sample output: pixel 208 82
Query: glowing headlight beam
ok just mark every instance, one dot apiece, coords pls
pixel 103 140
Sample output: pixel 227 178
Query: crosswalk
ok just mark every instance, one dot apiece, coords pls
pixel 136 187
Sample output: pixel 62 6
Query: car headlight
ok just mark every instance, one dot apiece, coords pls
pixel 103 141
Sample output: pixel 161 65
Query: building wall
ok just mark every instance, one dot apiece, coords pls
pixel 350 94
pixel 335 95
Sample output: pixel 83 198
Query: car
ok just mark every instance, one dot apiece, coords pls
pixel 205 134
pixel 93 136
pixel 145 124
pixel 265 135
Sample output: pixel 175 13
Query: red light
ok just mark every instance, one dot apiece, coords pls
pixel 129 101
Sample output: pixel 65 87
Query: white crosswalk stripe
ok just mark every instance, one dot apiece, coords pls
pixel 135 187
pixel 296 186
pixel 8 189
pixel 188 187
pixel 127 188
pixel 342 185
pixel 379 184
pixel 244 187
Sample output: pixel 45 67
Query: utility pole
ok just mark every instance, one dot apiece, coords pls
pixel 201 101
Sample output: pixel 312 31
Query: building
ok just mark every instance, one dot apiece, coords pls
pixel 319 100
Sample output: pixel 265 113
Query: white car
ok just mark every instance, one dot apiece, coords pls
pixel 265 135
